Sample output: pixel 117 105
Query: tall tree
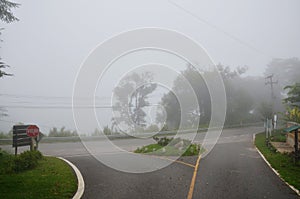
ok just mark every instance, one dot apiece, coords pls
pixel 131 99
pixel 6 16
pixel 239 102
pixel 188 83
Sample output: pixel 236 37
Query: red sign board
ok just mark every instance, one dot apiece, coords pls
pixel 32 131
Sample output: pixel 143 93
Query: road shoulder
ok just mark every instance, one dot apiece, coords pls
pixel 270 166
pixel 80 188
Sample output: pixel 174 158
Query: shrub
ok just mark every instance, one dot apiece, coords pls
pixel 14 164
pixel 27 160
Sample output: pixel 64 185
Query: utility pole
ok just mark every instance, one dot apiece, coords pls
pixel 269 80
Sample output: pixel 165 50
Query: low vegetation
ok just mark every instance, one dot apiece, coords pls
pixel 31 175
pixel 170 147
pixel 283 163
pixel 15 164
pixel 278 136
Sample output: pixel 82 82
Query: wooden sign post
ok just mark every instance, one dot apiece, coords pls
pixel 24 135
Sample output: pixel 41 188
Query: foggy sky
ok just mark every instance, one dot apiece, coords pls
pixel 47 46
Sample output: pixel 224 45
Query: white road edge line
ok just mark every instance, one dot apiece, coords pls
pixel 276 172
pixel 80 180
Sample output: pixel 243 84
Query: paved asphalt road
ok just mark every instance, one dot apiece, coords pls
pixel 233 169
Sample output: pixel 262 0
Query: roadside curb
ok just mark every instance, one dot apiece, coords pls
pixel 276 172
pixel 80 180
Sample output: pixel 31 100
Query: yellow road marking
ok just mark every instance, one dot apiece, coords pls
pixel 169 159
pixel 191 191
pixel 187 164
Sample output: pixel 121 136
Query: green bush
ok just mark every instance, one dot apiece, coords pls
pixel 14 164
pixel 27 160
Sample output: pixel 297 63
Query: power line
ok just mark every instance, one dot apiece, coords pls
pixel 62 97
pixel 219 29
pixel 49 97
pixel 70 107
pixel 55 107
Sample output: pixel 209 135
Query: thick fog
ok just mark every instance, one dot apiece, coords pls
pixel 47 46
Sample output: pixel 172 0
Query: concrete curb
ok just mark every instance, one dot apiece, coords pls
pixel 80 180
pixel 276 172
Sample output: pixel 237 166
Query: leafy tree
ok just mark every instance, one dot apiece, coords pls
pixel 7 16
pixel 239 102
pixel 293 98
pixel 293 102
pixel 239 105
pixel 189 82
pixel 131 98
pixel 227 73
pixel 172 108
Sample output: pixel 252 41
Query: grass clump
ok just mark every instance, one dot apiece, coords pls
pixel 170 147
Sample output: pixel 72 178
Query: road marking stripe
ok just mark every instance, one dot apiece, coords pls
pixel 191 191
pixel 80 181
pixel 180 162
pixel 169 159
pixel 187 164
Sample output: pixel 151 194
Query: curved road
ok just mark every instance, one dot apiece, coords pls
pixel 233 169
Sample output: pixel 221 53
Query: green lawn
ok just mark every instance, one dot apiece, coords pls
pixel 283 163
pixel 51 178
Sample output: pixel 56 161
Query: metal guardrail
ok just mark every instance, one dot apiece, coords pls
pixel 126 136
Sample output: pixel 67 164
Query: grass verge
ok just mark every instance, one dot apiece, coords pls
pixel 283 163
pixel 51 178
pixel 171 147
pixel 156 149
